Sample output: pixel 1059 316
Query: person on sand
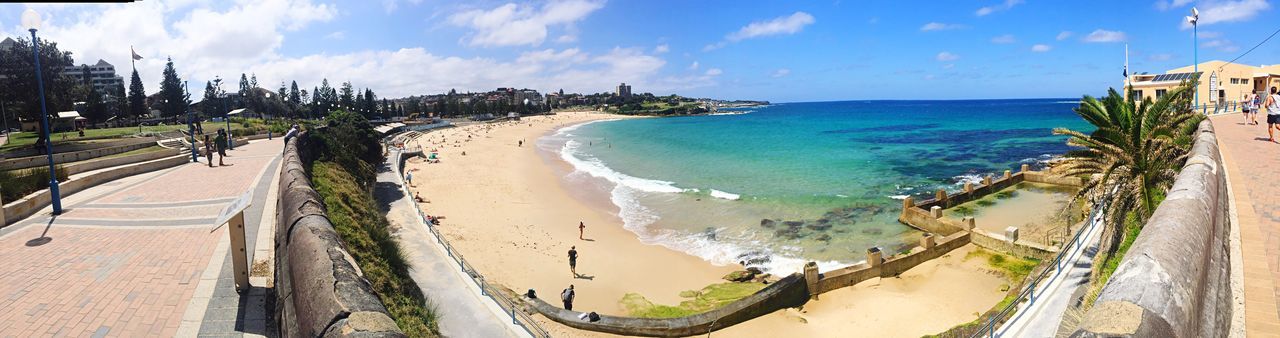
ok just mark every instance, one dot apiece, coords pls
pixel 567 297
pixel 408 177
pixel 1273 114
pixel 573 260
pixel 520 143
pixel 582 227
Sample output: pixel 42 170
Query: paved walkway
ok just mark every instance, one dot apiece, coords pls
pixel 463 311
pixel 131 257
pixel 1059 291
pixel 1253 167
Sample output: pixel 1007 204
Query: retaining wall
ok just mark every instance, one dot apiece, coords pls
pixel 319 288
pixel 28 205
pixel 892 266
pixel 1175 279
pixel 74 147
pixel 87 166
pixel 71 156
pixel 790 291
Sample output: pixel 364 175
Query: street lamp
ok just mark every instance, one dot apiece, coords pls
pixel 191 126
pixel 1195 35
pixel 31 20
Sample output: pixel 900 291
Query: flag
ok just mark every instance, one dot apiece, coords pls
pixel 135 54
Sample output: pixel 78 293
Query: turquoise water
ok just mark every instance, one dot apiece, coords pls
pixel 724 187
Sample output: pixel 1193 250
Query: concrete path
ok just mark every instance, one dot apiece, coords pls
pixel 1042 317
pixel 463 311
pixel 128 257
pixel 1253 171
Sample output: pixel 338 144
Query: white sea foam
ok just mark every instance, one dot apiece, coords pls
pixel 968 178
pixel 732 113
pixel 1067 102
pixel 725 195
pixel 899 197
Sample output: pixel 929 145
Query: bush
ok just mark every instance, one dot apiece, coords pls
pixel 19 183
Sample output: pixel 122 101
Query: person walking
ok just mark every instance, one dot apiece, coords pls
pixel 582 228
pixel 567 297
pixel 1255 104
pixel 293 131
pixel 208 151
pixel 1246 106
pixel 221 143
pixel 1273 114
pixel 573 260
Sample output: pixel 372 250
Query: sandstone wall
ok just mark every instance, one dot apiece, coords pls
pixel 319 289
pixel 1175 279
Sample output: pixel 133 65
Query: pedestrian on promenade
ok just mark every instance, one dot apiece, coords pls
pixel 567 296
pixel 221 143
pixel 1247 106
pixel 1255 104
pixel 208 151
pixel 1273 114
pixel 293 131
pixel 582 227
pixel 573 260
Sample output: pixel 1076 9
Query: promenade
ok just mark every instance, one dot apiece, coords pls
pixel 140 256
pixel 1252 164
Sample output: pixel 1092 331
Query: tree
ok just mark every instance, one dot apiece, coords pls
pixel 295 97
pixel 173 101
pixel 95 109
pixel 210 93
pixel 119 101
pixel 137 96
pixel 325 93
pixel 1132 158
pixel 346 98
pixel 244 87
pixel 18 88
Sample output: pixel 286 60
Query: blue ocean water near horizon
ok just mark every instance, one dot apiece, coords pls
pixel 779 185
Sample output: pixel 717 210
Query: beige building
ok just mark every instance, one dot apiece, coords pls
pixel 1222 85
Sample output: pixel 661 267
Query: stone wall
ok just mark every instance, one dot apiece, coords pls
pixel 892 266
pixel 319 288
pixel 1175 279
pixel 28 205
pixel 66 157
pixel 74 147
pixel 790 291
pixel 1021 247
pixel 87 166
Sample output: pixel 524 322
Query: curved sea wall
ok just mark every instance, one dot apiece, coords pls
pixel 319 288
pixel 1175 279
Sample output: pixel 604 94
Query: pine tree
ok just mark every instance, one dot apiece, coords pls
pixel 295 97
pixel 210 93
pixel 137 96
pixel 347 98
pixel 172 98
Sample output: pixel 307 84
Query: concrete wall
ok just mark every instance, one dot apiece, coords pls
pixel 87 166
pixel 319 288
pixel 66 148
pixel 1175 279
pixel 65 157
pixel 923 221
pixel 1021 248
pixel 892 266
pixel 790 291
pixel 26 206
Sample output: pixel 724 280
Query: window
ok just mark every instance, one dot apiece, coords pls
pixel 1160 93
pixel 1233 81
pixel 1244 81
pixel 1137 95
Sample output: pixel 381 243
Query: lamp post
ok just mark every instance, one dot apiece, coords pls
pixel 31 20
pixel 191 127
pixel 1195 35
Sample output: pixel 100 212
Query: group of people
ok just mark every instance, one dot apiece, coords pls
pixel 567 295
pixel 219 144
pixel 1271 103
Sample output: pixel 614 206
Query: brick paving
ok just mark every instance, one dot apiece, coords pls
pixel 89 276
pixel 1253 164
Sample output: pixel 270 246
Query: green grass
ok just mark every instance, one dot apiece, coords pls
pixel 18 183
pixel 26 138
pixel 709 298
pixel 355 216
pixel 146 150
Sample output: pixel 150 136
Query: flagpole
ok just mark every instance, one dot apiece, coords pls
pixel 1126 65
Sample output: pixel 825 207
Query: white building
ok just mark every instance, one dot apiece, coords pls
pixel 102 76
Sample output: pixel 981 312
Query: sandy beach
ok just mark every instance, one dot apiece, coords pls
pixel 506 207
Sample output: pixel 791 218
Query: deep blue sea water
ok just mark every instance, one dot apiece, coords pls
pixel 706 184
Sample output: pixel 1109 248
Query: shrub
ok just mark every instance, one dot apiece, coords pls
pixel 19 183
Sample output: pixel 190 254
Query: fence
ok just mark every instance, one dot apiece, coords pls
pixel 496 294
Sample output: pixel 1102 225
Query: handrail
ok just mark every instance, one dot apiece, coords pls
pixel 1028 293
pixel 497 295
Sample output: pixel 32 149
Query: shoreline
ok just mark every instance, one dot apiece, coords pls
pixel 511 211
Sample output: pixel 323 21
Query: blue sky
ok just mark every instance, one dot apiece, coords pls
pixel 775 50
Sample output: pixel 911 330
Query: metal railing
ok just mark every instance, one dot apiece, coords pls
pixel 1028 293
pixel 497 295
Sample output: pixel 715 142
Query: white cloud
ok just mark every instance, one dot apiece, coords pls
pixel 1167 5
pixel 785 25
pixel 663 48
pixel 1221 45
pixel 1212 12
pixel 1007 4
pixel 938 26
pixel 1210 35
pixel 949 66
pixel 516 25
pixel 1159 57
pixel 714 72
pixel 1064 35
pixel 567 38
pixel 781 72
pixel 694 66
pixel 947 56
pixel 1007 38
pixel 1040 48
pixel 337 35
pixel 1102 35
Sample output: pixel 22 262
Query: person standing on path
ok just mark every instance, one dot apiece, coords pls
pixel 221 142
pixel 208 151
pixel 1255 104
pixel 573 260
pixel 1273 114
pixel 567 297
pixel 1247 107
pixel 582 228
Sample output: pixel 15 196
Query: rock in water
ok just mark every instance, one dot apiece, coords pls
pixel 768 223
pixel 754 270
pixel 820 226
pixel 739 276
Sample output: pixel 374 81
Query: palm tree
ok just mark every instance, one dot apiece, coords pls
pixel 1133 156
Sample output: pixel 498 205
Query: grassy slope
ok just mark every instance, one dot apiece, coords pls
pixel 709 298
pixel 363 228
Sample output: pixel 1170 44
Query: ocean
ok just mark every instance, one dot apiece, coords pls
pixel 780 185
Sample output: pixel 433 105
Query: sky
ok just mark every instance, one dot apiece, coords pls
pixel 781 51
